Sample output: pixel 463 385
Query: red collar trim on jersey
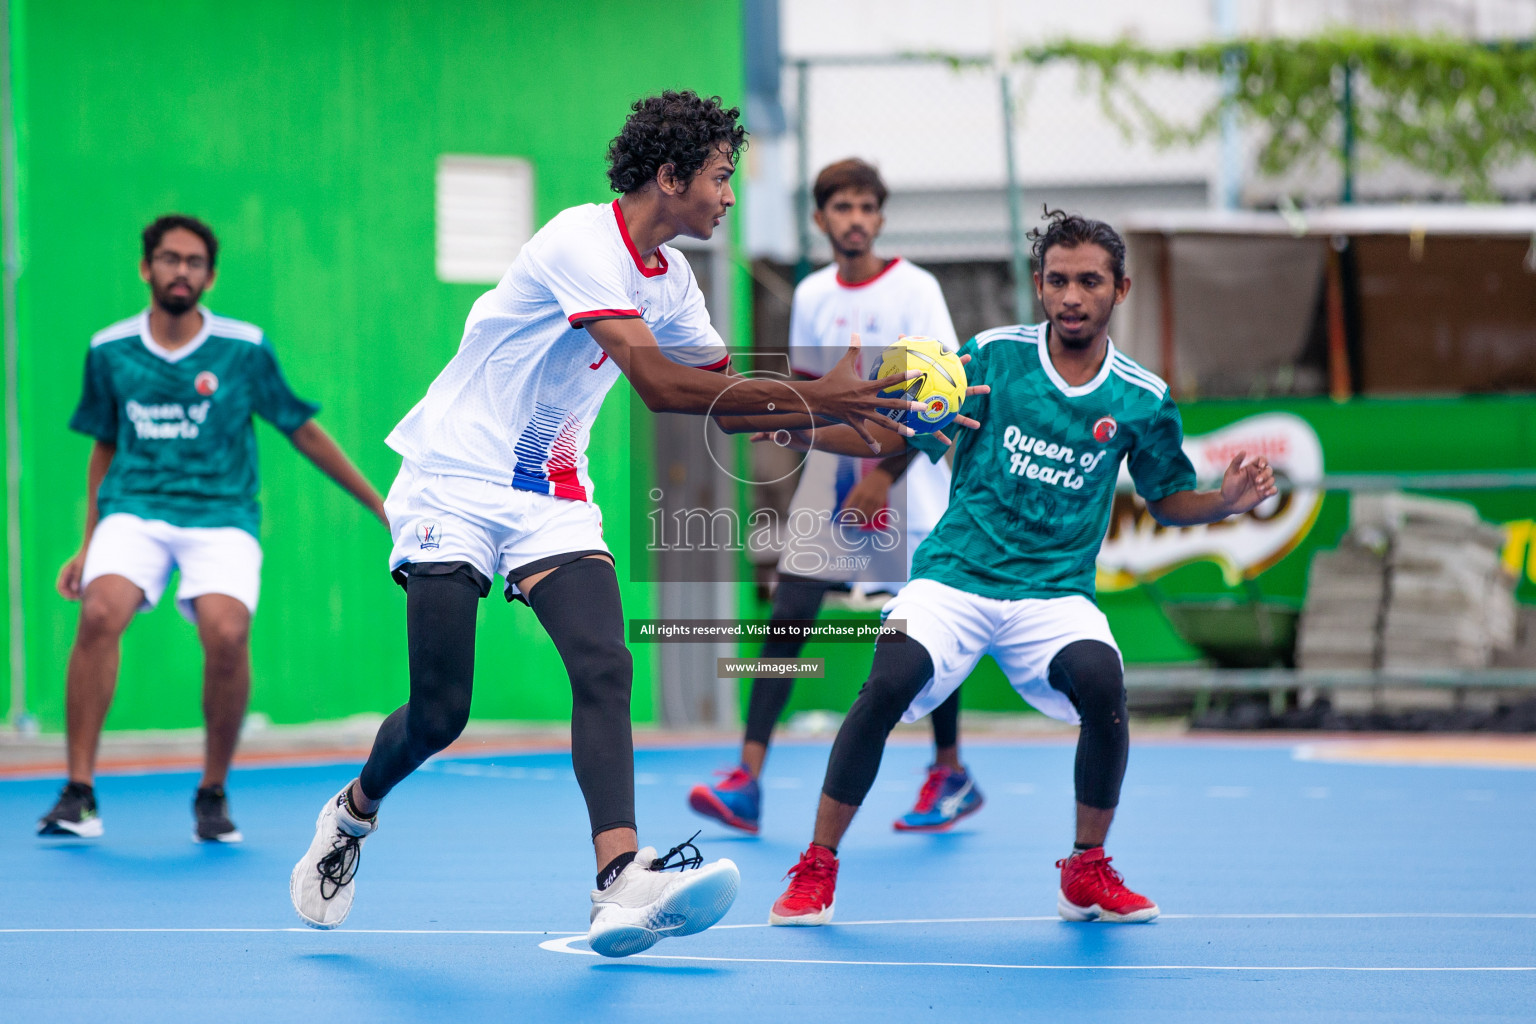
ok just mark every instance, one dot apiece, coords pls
pixel 866 284
pixel 634 253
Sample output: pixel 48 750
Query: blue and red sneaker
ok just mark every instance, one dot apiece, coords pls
pixel 736 801
pixel 946 797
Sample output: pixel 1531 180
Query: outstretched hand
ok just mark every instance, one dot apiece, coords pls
pixel 1246 483
pixel 843 394
pixel 965 421
pixel 836 439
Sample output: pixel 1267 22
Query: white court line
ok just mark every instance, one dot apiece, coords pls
pixel 280 931
pixel 1454 915
pixel 1396 915
pixel 564 946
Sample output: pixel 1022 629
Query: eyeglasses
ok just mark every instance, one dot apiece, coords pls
pixel 172 260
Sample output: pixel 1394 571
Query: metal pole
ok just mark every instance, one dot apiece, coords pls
pixel 10 253
pixel 1023 294
pixel 1230 189
pixel 1347 114
pixel 803 167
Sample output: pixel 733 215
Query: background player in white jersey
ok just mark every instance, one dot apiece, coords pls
pixel 1009 571
pixel 882 299
pixel 494 481
pixel 171 484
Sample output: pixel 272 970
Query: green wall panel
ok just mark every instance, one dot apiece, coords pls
pixel 307 135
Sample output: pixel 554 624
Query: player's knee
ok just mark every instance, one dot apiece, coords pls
pixel 898 675
pixel 884 699
pixel 429 729
pixel 1090 674
pixel 100 621
pixel 226 638
pixel 602 674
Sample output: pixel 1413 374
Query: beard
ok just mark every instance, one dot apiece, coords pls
pixel 1076 344
pixel 1086 332
pixel 176 305
pixel 848 248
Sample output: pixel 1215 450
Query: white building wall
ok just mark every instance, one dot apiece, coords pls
pixel 936 132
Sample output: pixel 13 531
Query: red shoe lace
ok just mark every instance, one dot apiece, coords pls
pixel 929 794
pixel 809 877
pixel 1098 875
pixel 735 778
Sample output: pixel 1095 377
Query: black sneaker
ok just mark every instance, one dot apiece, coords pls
pixel 74 814
pixel 211 809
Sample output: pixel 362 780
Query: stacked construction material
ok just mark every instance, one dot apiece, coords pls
pixel 1340 626
pixel 1451 603
pixel 1417 584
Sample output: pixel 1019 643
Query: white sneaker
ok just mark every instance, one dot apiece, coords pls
pixel 646 903
pixel 321 884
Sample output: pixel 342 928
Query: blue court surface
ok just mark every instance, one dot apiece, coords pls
pixel 1292 889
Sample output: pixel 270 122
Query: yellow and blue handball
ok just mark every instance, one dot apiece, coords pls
pixel 940 387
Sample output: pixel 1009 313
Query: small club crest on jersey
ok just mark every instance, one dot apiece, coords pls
pixel 1105 429
pixel 206 383
pixel 429 532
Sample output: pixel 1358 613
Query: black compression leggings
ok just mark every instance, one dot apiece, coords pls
pixel 440 640
pixel 578 605
pixel 1087 671
pixel 1090 674
pixel 798 599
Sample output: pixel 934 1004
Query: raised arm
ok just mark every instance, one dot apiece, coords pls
pixel 1243 485
pixel 95 472
pixel 317 446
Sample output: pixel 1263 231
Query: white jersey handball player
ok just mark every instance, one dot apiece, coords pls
pixel 494 481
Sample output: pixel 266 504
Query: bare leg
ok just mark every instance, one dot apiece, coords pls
pixel 1093 824
pixel 832 821
pixel 753 754
pixel 365 806
pixel 610 844
pixel 106 608
pixel 945 720
pixel 224 627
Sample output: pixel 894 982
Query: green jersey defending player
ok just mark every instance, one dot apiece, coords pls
pixel 1009 570
pixel 168 397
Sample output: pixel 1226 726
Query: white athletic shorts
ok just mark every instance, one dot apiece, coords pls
pixel 493 527
pixel 213 560
pixel 1022 636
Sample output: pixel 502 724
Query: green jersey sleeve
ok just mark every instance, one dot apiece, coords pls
pixel 273 400
pixel 974 407
pixel 1157 463
pixel 96 414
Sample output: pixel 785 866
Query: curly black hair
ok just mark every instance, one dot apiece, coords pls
pixel 678 128
pixel 1073 229
pixel 157 230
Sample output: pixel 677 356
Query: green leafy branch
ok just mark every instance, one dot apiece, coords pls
pixel 1456 108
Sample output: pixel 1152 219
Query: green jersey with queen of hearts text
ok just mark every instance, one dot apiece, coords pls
pixel 1032 488
pixel 181 420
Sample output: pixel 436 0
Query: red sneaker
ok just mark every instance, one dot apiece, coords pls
pixel 810 895
pixel 1091 890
